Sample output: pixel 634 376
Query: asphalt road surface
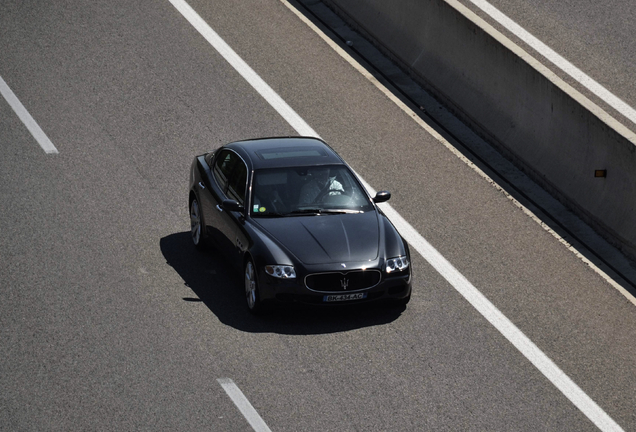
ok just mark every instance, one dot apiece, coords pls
pixel 110 320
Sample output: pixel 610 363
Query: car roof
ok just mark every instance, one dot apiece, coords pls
pixel 285 152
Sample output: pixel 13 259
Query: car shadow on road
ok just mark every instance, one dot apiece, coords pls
pixel 219 286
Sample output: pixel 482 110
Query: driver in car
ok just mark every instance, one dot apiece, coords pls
pixel 320 185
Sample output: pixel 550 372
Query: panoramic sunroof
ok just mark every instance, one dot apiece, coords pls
pixel 291 152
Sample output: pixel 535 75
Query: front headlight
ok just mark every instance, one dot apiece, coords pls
pixel 281 271
pixel 398 264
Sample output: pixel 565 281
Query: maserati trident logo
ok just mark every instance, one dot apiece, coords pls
pixel 344 283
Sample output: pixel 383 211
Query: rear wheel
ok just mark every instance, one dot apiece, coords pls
pixel 196 224
pixel 253 301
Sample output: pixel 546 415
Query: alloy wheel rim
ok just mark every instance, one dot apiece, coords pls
pixel 195 222
pixel 250 285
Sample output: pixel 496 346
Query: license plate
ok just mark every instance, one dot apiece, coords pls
pixel 344 297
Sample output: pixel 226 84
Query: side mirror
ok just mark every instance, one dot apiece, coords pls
pixel 381 197
pixel 231 205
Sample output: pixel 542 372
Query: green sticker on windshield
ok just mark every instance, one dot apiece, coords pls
pixel 256 208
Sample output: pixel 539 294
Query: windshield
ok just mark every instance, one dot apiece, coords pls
pixel 307 190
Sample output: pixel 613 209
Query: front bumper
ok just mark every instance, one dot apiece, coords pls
pixel 393 287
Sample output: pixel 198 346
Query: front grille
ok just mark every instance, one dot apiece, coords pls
pixel 346 281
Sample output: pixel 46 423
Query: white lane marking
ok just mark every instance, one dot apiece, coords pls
pixel 550 370
pixel 26 118
pixel 516 337
pixel 243 68
pixel 558 60
pixel 243 405
pixel 417 119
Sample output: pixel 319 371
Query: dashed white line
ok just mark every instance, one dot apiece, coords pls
pixel 243 405
pixel 539 359
pixel 26 118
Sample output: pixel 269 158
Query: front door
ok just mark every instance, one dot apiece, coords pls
pixel 229 181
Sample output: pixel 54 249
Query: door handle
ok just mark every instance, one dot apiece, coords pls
pixel 218 207
pixel 201 185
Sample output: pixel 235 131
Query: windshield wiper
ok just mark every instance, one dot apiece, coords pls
pixel 341 211
pixel 317 211
pixel 313 211
pixel 272 214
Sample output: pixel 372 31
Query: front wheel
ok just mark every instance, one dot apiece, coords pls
pixel 196 224
pixel 253 301
pixel 405 300
pixel 399 302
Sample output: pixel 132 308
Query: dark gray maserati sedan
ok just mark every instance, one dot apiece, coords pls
pixel 294 218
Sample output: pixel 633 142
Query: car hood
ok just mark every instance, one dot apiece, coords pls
pixel 327 238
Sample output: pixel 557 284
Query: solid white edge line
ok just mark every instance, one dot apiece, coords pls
pixel 567 67
pixel 417 119
pixel 244 405
pixel 489 311
pixel 243 69
pixel 26 118
pixel 539 359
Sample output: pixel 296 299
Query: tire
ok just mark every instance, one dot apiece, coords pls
pixel 196 224
pixel 405 300
pixel 252 295
pixel 399 303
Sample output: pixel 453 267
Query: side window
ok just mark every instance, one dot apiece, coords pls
pixel 238 183
pixel 223 166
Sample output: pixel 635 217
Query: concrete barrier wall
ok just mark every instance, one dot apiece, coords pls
pixel 551 130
